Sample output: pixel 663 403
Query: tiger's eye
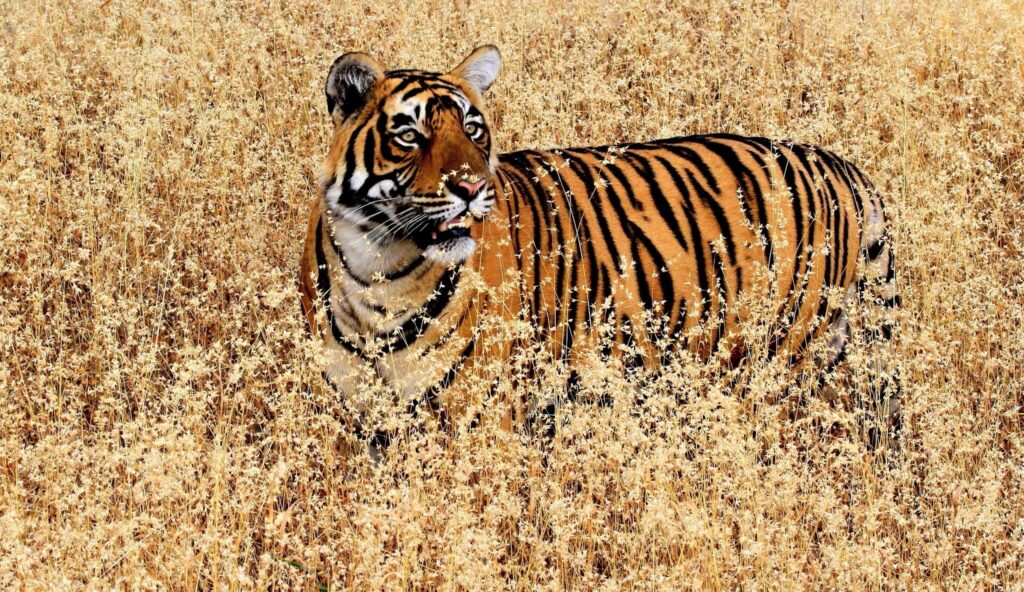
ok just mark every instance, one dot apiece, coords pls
pixel 472 129
pixel 408 137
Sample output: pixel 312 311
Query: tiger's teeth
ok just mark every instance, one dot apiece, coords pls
pixel 443 226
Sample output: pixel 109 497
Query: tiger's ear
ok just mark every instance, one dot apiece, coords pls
pixel 349 82
pixel 480 68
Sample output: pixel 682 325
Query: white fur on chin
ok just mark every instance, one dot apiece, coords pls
pixel 451 252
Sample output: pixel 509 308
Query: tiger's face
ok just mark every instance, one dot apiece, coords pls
pixel 411 158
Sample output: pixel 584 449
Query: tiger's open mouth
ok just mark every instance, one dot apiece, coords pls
pixel 450 242
pixel 454 228
pixel 448 231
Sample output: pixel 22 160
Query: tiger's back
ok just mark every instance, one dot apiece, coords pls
pixel 687 226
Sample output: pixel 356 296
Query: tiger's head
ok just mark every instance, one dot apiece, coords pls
pixel 411 158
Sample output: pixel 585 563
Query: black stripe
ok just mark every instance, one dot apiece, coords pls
pixel 664 208
pixel 833 200
pixel 557 238
pixel 789 175
pixel 453 371
pixel 410 331
pixel 660 201
pixel 754 151
pixel 530 191
pixel 786 313
pixel 404 271
pixel 806 174
pixel 690 156
pixel 323 282
pixel 845 261
pixel 400 119
pixel 814 332
pixel 616 172
pixel 571 293
pixel 695 234
pixel 680 324
pixel 800 293
pixel 348 270
pixel 586 263
pixel 835 212
pixel 439 343
pixel 386 147
pixel 613 198
pixel 719 215
pixel 732 161
pixel 407 83
pixel 350 166
pixel 842 169
pixel 893 302
pixel 862 184
pixel 555 242
pixel 874 250
pixel 593 276
pixel 582 169
pixel 722 298
pixel 369 154
pixel 508 196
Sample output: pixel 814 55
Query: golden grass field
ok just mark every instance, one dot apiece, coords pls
pixel 162 426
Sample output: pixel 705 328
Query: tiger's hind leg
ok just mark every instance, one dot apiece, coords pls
pixel 873 388
pixel 829 363
pixel 825 376
pixel 836 382
pixel 880 301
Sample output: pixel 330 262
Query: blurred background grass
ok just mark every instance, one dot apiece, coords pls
pixel 157 159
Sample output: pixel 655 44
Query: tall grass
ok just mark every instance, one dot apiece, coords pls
pixel 161 423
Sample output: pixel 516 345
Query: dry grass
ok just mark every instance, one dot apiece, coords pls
pixel 156 430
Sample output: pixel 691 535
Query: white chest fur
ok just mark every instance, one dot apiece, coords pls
pixel 378 298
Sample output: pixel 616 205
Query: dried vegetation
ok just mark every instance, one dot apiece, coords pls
pixel 157 429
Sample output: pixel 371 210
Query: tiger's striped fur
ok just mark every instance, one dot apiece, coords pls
pixel 684 227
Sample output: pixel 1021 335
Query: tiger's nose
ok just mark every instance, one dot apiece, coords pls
pixel 467 190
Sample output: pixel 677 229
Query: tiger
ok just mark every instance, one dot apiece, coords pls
pixel 422 235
